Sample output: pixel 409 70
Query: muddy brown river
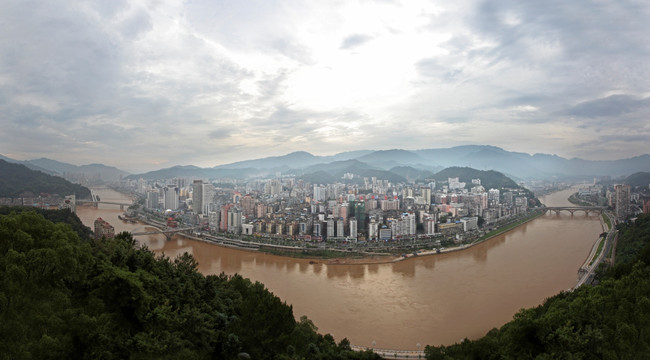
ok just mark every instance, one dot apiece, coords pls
pixel 438 299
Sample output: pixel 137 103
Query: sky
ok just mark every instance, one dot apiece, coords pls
pixel 144 85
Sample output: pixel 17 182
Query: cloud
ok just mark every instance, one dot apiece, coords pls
pixel 614 105
pixel 230 79
pixel 220 134
pixel 354 40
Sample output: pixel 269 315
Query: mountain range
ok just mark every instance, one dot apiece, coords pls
pixel 416 164
pixel 98 172
pixel 17 180
pixel 395 164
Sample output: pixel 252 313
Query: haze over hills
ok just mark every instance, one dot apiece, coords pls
pixel 54 167
pixel 405 164
pixel 482 157
pixel 18 179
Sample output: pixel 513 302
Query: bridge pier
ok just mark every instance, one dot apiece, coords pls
pixel 588 210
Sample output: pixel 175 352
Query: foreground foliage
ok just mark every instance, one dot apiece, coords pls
pixel 62 297
pixel 607 321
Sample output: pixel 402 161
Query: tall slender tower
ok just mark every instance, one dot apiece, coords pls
pixel 197 196
pixel 622 201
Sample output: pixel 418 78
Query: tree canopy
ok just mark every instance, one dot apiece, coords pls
pixel 606 321
pixel 62 296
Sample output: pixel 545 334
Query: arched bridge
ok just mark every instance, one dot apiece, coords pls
pixel 169 232
pixel 572 209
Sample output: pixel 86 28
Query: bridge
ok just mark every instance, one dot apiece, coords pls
pixel 167 232
pixel 95 200
pixel 572 209
pixel 392 354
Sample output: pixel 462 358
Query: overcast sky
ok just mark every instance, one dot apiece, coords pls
pixel 143 85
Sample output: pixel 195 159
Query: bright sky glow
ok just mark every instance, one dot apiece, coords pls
pixel 148 84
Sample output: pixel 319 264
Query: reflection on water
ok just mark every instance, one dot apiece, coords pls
pixel 436 299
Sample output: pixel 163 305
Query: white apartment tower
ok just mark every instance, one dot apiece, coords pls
pixel 353 228
pixel 171 197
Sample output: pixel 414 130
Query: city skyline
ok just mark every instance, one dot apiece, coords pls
pixel 152 85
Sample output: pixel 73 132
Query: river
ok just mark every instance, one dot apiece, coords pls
pixel 438 299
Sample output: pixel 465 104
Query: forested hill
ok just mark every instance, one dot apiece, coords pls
pixel 607 321
pixel 16 179
pixel 66 298
pixel 490 179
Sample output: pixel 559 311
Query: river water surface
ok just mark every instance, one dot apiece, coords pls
pixel 438 299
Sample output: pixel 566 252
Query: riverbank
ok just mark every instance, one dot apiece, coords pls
pixel 432 300
pixel 341 257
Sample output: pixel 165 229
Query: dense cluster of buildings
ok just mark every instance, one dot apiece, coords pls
pixel 622 199
pixel 368 209
pixel 41 201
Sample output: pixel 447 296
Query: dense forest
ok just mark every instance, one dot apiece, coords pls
pixel 67 297
pixel 606 321
pixel 16 179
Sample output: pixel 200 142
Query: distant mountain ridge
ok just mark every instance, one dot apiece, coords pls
pixel 54 167
pixel 640 179
pixel 407 164
pixel 16 179
pixel 516 165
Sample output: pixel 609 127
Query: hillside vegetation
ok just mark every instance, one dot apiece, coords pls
pixel 62 297
pixel 490 179
pixel 17 179
pixel 607 321
pixel 638 179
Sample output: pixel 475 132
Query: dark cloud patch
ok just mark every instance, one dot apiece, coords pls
pixel 618 143
pixel 615 105
pixel 283 116
pixel 219 134
pixel 355 40
pixel 581 46
pixel 272 86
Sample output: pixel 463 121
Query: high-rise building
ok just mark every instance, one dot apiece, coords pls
pixel 223 225
pixel 248 205
pixel 493 197
pixel 320 193
pixel 360 214
pixel 153 199
pixel 353 228
pixel 426 194
pixel 330 228
pixel 197 196
pixel 340 227
pixel 429 225
pixel 213 220
pixel 373 229
pixel 208 195
pixel 409 223
pixel 622 196
pixel 273 188
pixel 234 220
pixel 171 197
